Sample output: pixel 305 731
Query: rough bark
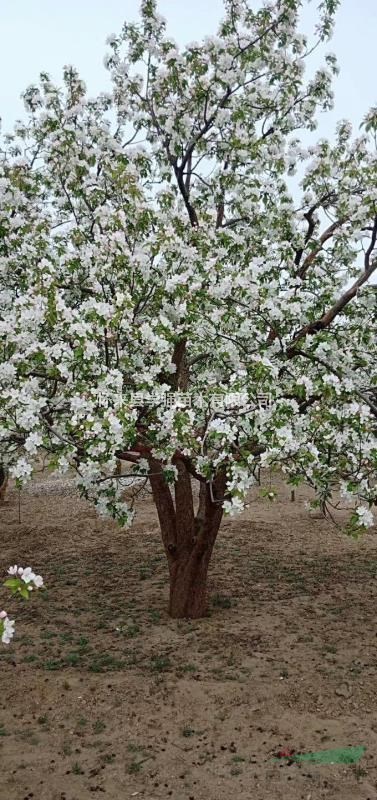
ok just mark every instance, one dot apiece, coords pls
pixel 188 585
pixel 3 483
pixel 165 508
pixel 188 538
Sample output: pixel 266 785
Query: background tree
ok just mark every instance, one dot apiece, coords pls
pixel 153 241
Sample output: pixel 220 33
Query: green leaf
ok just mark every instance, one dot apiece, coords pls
pixel 12 583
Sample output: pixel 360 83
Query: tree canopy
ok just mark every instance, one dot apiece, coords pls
pixel 153 242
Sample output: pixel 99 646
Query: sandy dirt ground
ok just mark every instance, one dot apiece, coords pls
pixel 103 695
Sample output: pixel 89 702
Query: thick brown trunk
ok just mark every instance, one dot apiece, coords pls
pixel 196 536
pixel 188 585
pixel 188 538
pixel 3 483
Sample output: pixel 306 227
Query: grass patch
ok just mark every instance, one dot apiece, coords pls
pixel 154 615
pixel 108 758
pixel 135 767
pixel 99 726
pixel 187 731
pixel 48 635
pixel 53 664
pixel 73 659
pixel 134 748
pixel 160 663
pixel 105 663
pixel 66 637
pixel 220 601
pixel 131 631
pixel 189 668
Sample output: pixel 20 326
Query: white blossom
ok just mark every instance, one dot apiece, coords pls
pixel 6 627
pixel 365 516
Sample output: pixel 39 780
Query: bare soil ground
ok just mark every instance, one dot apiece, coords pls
pixel 102 694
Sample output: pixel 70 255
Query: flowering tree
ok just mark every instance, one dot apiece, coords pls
pixel 153 242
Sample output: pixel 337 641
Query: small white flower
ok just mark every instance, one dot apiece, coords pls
pixel 28 575
pixel 111 39
pixel 366 518
pixel 33 441
pixel 6 627
pixel 22 469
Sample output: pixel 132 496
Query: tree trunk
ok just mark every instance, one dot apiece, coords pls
pixel 3 483
pixel 188 538
pixel 188 585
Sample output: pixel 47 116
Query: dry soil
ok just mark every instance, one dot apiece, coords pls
pixel 103 694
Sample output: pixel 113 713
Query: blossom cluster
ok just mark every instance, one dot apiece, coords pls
pixel 6 627
pixel 22 581
pixel 27 576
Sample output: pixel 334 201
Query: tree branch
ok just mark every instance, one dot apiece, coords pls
pixel 327 318
pixel 165 507
pixel 329 368
pixel 180 361
pixel 327 234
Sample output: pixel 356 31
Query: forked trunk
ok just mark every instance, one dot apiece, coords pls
pixel 188 538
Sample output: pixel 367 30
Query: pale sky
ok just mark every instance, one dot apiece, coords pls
pixel 43 35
